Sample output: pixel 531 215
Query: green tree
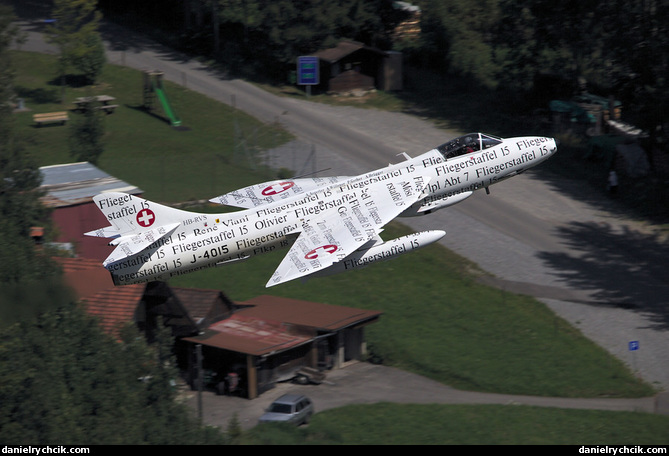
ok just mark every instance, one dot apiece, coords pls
pixel 91 58
pixel 86 134
pixel 274 33
pixel 537 36
pixel 23 270
pixel 75 32
pixel 619 48
pixel 458 37
pixel 636 58
pixel 63 381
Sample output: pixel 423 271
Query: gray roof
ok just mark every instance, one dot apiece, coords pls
pixel 77 183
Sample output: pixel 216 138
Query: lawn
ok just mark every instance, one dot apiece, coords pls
pixel 411 424
pixel 210 156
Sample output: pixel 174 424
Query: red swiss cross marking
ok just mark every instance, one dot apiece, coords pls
pixel 277 188
pixel 315 253
pixel 146 217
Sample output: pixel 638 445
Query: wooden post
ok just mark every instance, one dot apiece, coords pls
pixel 252 374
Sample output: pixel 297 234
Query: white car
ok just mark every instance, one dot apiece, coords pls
pixel 289 408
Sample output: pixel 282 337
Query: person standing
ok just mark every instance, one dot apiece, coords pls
pixel 613 183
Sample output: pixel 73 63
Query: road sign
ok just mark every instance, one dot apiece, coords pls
pixel 634 345
pixel 307 70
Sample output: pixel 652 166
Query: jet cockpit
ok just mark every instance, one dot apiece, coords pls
pixel 468 144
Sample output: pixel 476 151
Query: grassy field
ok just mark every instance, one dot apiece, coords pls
pixel 401 424
pixel 438 321
pixel 169 164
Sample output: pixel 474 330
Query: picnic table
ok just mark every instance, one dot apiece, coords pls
pixel 81 103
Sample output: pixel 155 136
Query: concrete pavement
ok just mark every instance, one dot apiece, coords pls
pixel 364 383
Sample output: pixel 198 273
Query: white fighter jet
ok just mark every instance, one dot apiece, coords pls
pixel 329 224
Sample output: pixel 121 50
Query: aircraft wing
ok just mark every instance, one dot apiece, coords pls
pixel 278 190
pixel 334 234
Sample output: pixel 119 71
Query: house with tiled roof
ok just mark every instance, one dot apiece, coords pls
pixel 93 287
pixel 186 311
pixel 260 341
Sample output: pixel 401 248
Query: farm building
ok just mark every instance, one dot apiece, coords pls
pixel 354 66
pixel 257 342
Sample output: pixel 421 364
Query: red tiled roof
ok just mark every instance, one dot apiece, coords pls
pixel 85 276
pixel 344 48
pixel 93 285
pixel 115 306
pixel 269 323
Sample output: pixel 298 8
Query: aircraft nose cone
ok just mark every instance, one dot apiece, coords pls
pixel 553 145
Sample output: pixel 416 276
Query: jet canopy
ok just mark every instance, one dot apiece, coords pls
pixel 467 144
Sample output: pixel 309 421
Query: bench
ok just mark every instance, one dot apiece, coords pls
pixel 50 117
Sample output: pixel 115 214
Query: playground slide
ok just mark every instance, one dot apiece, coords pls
pixel 171 114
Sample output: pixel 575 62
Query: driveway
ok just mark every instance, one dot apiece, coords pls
pixel 365 383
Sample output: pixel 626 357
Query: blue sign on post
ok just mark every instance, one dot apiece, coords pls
pixel 634 345
pixel 307 70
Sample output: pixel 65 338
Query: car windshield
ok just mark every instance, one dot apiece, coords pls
pixel 467 144
pixel 280 408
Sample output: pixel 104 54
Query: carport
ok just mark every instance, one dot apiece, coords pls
pixel 271 339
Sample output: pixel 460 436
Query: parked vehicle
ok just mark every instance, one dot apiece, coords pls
pixel 289 408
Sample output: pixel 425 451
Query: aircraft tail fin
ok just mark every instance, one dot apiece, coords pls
pixel 129 214
pixel 135 223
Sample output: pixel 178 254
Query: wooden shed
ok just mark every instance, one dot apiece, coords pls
pixel 271 339
pixel 352 65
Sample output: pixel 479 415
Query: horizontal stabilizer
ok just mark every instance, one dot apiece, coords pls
pixel 108 232
pixel 131 245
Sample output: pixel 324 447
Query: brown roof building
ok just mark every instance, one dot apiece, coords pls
pixel 259 342
pixel 352 65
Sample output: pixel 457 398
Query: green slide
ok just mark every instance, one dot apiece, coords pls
pixel 171 114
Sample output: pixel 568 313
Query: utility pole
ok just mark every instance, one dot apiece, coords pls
pixel 200 379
